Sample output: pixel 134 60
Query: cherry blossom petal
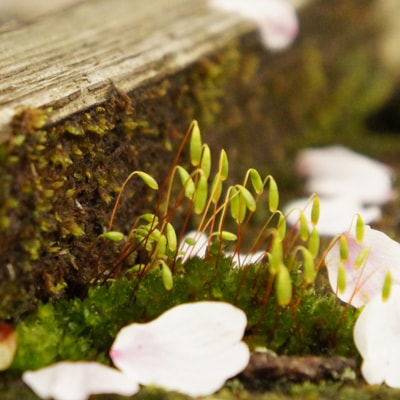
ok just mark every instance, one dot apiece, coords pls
pixel 336 213
pixel 192 348
pixel 376 335
pixel 338 171
pixel 276 19
pixel 242 259
pixel 78 380
pixel 198 249
pixel 365 282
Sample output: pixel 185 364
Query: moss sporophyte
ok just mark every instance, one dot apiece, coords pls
pixel 277 280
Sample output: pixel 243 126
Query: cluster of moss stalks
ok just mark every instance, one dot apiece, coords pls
pixel 58 183
pixel 314 322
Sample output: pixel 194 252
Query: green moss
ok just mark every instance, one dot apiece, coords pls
pixel 58 182
pixel 84 329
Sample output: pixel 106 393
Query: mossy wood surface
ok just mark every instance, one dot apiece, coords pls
pixel 60 173
pixel 59 179
pixel 70 59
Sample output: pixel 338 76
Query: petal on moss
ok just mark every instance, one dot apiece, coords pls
pixel 365 282
pixel 337 170
pixel 78 381
pixel 336 213
pixel 242 259
pixel 192 348
pixel 194 244
pixel 276 19
pixel 376 335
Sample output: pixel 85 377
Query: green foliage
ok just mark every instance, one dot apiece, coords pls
pixel 84 329
pixel 286 311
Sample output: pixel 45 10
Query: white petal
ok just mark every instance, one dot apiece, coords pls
pixel 78 380
pixel 192 348
pixel 199 249
pixel 278 26
pixel 276 19
pixel 242 259
pixel 336 214
pixel 336 171
pixel 366 282
pixel 376 335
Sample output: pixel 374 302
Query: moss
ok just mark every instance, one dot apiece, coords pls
pixel 58 182
pixel 84 329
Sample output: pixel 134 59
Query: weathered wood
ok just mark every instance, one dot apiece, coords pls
pixel 69 60
pixel 58 182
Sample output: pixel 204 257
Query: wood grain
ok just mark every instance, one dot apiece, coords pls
pixel 69 59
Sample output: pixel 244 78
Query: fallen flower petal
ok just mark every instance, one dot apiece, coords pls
pixel 192 348
pixel 78 381
pixel 338 171
pixel 194 244
pixel 365 282
pixel 242 259
pixel 276 19
pixel 376 335
pixel 336 213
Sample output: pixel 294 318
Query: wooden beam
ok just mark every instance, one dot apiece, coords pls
pixel 69 60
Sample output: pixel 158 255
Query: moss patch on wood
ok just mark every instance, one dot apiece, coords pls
pixel 58 183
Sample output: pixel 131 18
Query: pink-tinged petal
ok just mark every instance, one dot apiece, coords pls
pixel 198 249
pixel 278 26
pixel 78 381
pixel 338 171
pixel 242 259
pixel 365 282
pixel 336 213
pixel 376 335
pixel 192 348
pixel 276 19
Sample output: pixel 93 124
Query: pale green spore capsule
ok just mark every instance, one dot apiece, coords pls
pixel 247 197
pixel 303 226
pixel 275 255
pixel 309 267
pixel 273 195
pixel 149 217
pixel 223 165
pixel 341 282
pixel 387 286
pixel 195 144
pixel 114 236
pixel 200 198
pixel 172 241
pixel 226 235
pixel 283 286
pixel 361 258
pixel 314 242
pixel 256 181
pixel 237 206
pixel 281 226
pixel 187 182
pixel 216 188
pixel 359 229
pixel 205 164
pixel 148 180
pixel 166 275
pixel 343 248
pixel 161 248
pixel 234 203
pixel 315 210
